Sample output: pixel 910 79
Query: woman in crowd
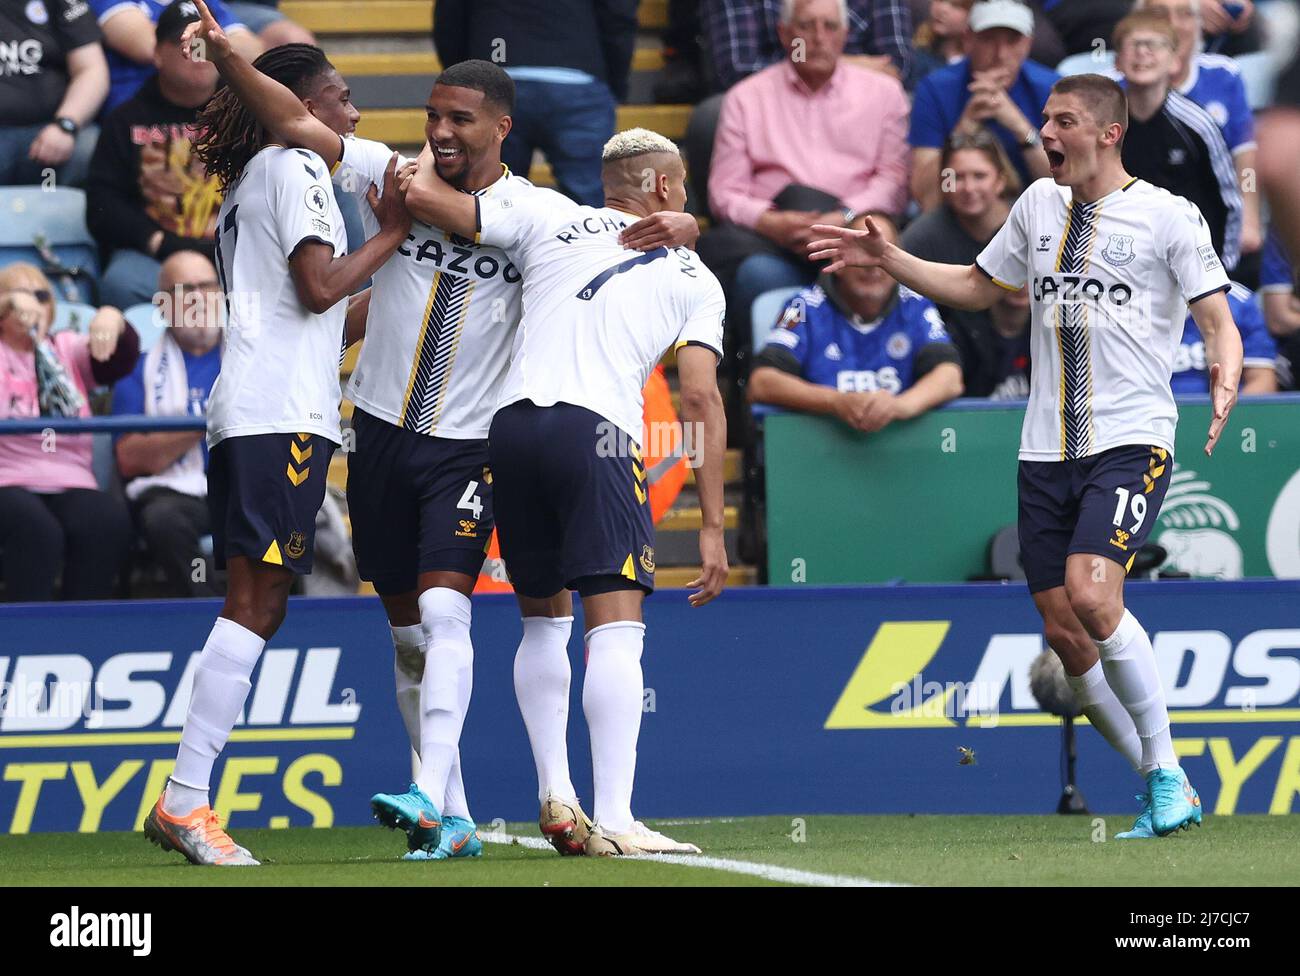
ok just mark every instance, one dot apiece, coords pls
pixel 54 521
pixel 937 41
pixel 978 184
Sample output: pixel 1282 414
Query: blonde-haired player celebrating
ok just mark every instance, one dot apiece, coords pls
pixel 569 486
pixel 1112 267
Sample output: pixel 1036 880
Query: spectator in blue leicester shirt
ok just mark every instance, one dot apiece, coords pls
pixel 860 347
pixel 1214 82
pixel 129 40
pixel 1259 362
pixel 995 85
pixel 165 472
pixel 1277 292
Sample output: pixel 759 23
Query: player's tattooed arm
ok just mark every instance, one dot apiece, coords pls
pixel 433 201
pixel 702 410
pixel 276 107
pixel 960 286
pixel 1223 352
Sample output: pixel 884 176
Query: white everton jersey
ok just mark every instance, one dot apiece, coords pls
pixel 1110 282
pixel 279 361
pixel 597 317
pixel 443 313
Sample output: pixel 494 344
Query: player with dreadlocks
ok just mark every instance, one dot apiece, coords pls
pixel 273 416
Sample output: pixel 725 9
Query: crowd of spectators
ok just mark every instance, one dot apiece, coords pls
pixel 823 118
pixel 923 114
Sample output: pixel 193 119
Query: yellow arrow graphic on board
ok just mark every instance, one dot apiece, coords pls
pixel 898 652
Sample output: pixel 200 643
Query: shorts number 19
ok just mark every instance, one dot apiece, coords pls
pixel 1136 504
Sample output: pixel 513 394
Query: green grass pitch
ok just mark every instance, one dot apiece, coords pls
pixel 926 850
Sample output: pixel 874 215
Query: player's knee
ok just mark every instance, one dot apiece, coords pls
pixel 445 615
pixel 1071 644
pixel 260 612
pixel 1089 601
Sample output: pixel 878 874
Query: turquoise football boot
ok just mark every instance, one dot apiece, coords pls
pixel 459 839
pixel 1174 804
pixel 1142 828
pixel 412 812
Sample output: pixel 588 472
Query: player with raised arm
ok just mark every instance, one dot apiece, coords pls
pixel 273 416
pixel 570 491
pixel 1112 267
pixel 445 311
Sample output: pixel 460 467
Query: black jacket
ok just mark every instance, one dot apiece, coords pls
pixel 595 36
pixel 143 178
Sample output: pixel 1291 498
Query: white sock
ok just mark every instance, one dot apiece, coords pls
pixel 611 700
pixel 1130 666
pixel 445 617
pixel 408 670
pixel 455 803
pixel 542 676
pixel 1107 715
pixel 220 688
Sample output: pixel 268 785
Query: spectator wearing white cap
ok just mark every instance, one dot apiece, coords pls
pixel 995 86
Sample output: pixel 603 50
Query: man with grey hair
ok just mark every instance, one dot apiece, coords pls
pixel 771 178
pixel 568 480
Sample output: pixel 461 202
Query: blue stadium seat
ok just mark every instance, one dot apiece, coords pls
pixel 1086 63
pixel 72 315
pixel 764 312
pixel 147 320
pixel 56 218
pixel 767 308
pixel 1259 73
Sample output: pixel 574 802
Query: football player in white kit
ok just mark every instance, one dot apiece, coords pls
pixel 1112 266
pixel 570 491
pixel 273 416
pixel 444 312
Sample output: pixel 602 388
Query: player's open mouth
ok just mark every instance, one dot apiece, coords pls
pixel 447 155
pixel 1055 158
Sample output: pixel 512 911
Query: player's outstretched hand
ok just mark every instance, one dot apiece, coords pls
pixel 390 209
pixel 668 228
pixel 844 246
pixel 713 571
pixel 1223 397
pixel 204 40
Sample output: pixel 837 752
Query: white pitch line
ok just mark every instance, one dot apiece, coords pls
pixel 768 872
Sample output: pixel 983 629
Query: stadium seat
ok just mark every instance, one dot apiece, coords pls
pixel 766 309
pixel 764 312
pixel 1259 73
pixel 147 320
pixel 1087 62
pixel 72 315
pixel 34 219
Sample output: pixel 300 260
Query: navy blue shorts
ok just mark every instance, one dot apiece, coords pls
pixel 418 504
pixel 1105 505
pixel 572 502
pixel 264 491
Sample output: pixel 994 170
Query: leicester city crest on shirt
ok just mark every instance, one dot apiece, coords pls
pixel 899 345
pixel 1118 250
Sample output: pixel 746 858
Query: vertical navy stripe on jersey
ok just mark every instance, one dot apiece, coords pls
pixel 439 340
pixel 589 290
pixel 1072 335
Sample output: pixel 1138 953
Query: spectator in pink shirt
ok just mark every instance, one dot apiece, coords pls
pixel 54 520
pixel 811 139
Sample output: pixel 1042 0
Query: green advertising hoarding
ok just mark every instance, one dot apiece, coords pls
pixel 920 500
